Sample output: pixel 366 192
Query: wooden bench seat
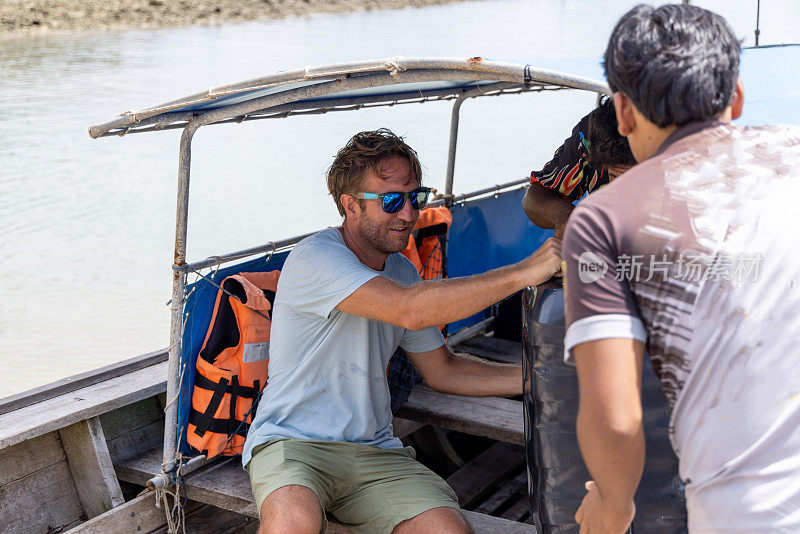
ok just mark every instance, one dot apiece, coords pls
pixel 491 417
pixel 492 348
pixel 225 484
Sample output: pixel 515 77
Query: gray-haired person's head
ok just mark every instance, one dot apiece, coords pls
pixel 677 63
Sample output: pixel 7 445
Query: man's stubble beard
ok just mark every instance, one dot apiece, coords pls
pixel 378 239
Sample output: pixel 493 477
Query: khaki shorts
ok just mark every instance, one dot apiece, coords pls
pixel 367 488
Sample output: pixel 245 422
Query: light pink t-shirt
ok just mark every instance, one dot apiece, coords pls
pixel 696 252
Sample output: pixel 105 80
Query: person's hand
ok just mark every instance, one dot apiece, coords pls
pixel 543 264
pixel 595 517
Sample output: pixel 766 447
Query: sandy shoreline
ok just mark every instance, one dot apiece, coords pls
pixel 21 17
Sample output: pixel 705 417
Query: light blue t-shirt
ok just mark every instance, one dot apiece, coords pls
pixel 327 368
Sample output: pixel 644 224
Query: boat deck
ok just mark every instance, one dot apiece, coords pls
pixel 106 429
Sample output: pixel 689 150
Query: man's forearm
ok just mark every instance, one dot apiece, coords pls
pixel 614 457
pixel 452 299
pixel 545 207
pixel 444 301
pixel 609 426
pixel 475 377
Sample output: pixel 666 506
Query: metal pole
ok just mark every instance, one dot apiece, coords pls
pixel 178 289
pixel 162 480
pixel 758 16
pixel 451 154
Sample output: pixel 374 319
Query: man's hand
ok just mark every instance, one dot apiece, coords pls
pixel 595 517
pixel 543 264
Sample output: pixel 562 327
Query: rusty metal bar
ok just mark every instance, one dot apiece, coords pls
pixel 287 243
pixel 451 151
pixel 163 479
pixel 233 256
pixel 454 119
pixel 178 296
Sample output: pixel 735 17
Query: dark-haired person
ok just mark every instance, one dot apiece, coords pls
pixel 693 256
pixel 322 437
pixel 590 158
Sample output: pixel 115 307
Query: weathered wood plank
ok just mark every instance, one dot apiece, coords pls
pixel 491 348
pixel 507 491
pixel 43 501
pixel 134 429
pixel 85 403
pixel 127 418
pixel 492 417
pixel 207 519
pixel 478 475
pixel 137 516
pixel 225 484
pixel 75 382
pixel 519 510
pixel 136 442
pixel 404 427
pixel 487 524
pixel 91 467
pixel 25 458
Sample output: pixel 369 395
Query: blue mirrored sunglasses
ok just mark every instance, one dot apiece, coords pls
pixel 394 201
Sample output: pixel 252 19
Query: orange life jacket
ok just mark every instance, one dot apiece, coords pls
pixel 425 246
pixel 232 364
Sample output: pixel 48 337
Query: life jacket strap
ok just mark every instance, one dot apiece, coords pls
pixel 219 391
pixel 247 392
pixel 217 426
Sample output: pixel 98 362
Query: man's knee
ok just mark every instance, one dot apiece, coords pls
pixel 292 509
pixel 441 520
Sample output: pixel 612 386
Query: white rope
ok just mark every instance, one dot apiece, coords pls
pixel 175 515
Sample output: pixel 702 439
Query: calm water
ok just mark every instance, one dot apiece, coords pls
pixel 86 227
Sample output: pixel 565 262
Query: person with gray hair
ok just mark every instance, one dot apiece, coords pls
pixel 692 257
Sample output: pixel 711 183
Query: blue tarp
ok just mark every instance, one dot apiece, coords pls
pixel 197 316
pixel 475 246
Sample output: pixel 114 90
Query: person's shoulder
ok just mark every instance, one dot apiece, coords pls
pixel 611 212
pixel 329 237
pixel 317 245
pixel 787 135
pixel 401 268
pixel 582 126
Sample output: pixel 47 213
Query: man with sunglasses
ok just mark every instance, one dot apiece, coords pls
pixel 322 437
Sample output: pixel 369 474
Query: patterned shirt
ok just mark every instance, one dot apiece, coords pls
pixel 694 253
pixel 569 172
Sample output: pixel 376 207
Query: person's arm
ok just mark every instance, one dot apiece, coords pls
pixel 546 208
pixel 444 301
pixel 610 431
pixel 463 374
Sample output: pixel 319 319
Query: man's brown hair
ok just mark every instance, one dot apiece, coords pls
pixel 366 150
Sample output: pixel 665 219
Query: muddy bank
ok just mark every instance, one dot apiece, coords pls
pixel 39 16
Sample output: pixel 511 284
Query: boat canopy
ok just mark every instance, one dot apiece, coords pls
pixel 349 86
pixel 770 75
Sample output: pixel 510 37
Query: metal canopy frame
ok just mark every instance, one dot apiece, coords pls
pixel 313 90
